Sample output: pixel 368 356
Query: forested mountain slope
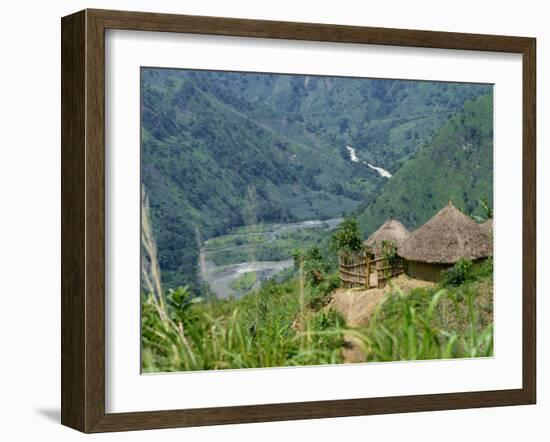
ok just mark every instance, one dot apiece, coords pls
pixel 457 165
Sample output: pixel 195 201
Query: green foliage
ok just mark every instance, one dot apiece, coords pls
pixel 312 263
pixel 487 208
pixel 389 251
pixel 465 271
pixel 179 301
pixel 347 237
pixel 244 283
pixel 459 273
pixel 320 293
pixel 483 270
pixel 315 265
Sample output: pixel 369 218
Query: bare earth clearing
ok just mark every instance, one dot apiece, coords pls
pixel 358 305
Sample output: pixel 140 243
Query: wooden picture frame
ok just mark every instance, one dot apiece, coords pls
pixel 83 220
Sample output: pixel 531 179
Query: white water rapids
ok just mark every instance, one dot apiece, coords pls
pixel 353 157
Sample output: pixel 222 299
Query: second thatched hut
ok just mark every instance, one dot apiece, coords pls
pixel 392 230
pixel 442 241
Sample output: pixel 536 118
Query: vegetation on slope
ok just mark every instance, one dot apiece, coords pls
pixel 244 283
pixel 457 165
pixel 448 321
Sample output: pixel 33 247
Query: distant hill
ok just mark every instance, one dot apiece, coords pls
pixel 457 165
pixel 208 138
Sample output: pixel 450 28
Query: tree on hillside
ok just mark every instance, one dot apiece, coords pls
pixel 347 237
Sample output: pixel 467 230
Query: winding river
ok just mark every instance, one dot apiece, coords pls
pixel 220 278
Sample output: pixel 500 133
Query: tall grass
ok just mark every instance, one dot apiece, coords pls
pixel 268 328
pixel 437 323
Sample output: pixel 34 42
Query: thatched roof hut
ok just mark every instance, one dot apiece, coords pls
pixel 392 230
pixel 487 227
pixel 447 237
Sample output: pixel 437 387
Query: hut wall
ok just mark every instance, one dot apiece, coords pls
pixel 430 272
pixel 425 271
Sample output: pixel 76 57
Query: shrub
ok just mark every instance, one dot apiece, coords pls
pixel 179 301
pixel 459 273
pixel 319 295
pixel 389 251
pixel 347 237
pixel 315 266
pixel 484 269
pixel 313 263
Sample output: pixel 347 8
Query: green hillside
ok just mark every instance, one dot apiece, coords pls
pixel 220 150
pixel 457 165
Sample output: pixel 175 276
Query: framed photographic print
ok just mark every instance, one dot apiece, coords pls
pixel 269 220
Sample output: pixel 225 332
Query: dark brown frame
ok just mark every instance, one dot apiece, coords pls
pixel 83 216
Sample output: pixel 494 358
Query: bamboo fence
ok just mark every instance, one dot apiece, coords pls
pixel 355 270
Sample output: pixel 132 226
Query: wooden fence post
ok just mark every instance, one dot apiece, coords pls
pixel 367 279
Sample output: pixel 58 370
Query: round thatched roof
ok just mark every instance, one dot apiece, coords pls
pixel 445 238
pixel 487 226
pixel 391 230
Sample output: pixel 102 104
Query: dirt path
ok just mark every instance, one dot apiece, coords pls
pixel 357 307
